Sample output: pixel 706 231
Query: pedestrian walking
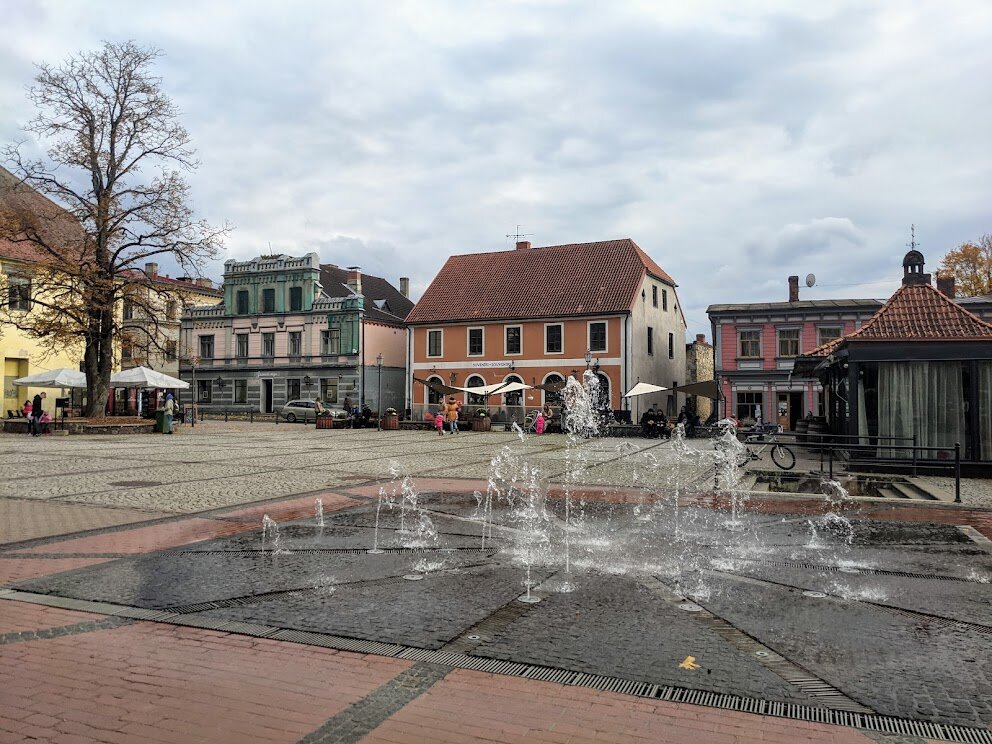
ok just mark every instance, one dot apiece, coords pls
pixel 439 423
pixel 170 411
pixel 451 414
pixel 36 411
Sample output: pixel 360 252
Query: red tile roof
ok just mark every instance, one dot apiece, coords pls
pixel 23 209
pixel 916 312
pixel 542 282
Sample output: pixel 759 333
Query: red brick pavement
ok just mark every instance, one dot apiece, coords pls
pixel 300 508
pixel 141 539
pixel 472 706
pixel 13 568
pixel 17 617
pixel 161 683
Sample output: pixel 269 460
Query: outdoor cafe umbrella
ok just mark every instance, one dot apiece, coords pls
pixel 643 388
pixel 143 377
pixel 63 377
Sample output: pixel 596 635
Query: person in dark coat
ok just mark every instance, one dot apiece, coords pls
pixel 35 423
pixel 649 423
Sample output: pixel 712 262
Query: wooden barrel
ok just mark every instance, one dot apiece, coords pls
pixel 802 426
pixel 817 431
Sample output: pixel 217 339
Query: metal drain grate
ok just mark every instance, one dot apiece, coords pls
pixel 334 551
pixel 668 693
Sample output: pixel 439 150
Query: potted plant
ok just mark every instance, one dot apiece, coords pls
pixel 390 419
pixel 482 421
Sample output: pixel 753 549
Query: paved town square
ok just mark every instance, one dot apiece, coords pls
pixel 185 588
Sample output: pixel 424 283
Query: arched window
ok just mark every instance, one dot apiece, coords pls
pixel 604 392
pixel 434 397
pixel 553 397
pixel 475 400
pixel 515 398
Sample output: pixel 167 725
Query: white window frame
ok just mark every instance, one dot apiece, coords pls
pixel 427 343
pixel 606 328
pixel 506 351
pixel 555 353
pixel 468 383
pixel 749 330
pixel 468 341
pixel 778 342
pixel 839 327
pixel 544 393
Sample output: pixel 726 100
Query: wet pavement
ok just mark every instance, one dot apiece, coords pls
pixel 903 628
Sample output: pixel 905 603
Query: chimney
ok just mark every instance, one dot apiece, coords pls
pixel 700 338
pixel 151 269
pixel 523 245
pixel 405 286
pixel 204 282
pixel 793 289
pixel 355 279
pixel 945 283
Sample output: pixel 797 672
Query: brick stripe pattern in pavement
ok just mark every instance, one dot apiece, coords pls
pixel 64 630
pixel 352 724
pixel 18 617
pixel 18 568
pixel 473 706
pixel 160 683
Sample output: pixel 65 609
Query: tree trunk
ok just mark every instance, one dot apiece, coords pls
pixel 98 359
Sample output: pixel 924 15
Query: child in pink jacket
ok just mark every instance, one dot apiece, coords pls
pixel 439 423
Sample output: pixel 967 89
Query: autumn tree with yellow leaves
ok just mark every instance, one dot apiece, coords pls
pixel 971 266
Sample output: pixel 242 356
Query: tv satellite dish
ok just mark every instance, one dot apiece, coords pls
pixel 810 280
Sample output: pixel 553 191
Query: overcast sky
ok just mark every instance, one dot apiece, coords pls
pixel 736 142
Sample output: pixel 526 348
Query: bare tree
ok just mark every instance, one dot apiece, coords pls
pixel 115 198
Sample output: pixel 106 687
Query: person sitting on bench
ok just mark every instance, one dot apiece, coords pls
pixel 649 423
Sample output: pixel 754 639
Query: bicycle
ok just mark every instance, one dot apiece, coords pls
pixel 782 456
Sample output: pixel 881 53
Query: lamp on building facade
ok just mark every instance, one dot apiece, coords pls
pixel 588 357
pixel 307 382
pixel 221 382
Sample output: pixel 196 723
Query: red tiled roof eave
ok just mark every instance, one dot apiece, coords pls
pixel 573 280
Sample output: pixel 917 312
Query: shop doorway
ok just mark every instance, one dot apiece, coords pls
pixel 266 396
pixel 789 409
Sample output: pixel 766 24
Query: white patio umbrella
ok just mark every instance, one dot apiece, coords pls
pixel 143 377
pixel 63 377
pixel 643 388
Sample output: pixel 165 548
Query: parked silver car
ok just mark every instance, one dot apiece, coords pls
pixel 300 410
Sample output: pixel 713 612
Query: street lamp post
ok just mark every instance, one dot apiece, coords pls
pixel 588 357
pixel 378 364
pixel 307 382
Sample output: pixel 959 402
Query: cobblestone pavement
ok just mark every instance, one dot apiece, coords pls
pixel 107 515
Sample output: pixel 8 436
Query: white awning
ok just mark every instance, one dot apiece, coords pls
pixel 143 377
pixel 63 377
pixel 643 388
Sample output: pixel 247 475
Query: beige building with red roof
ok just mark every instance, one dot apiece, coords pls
pixel 919 371
pixel 535 314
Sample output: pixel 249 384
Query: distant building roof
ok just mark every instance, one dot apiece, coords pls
pixel 384 302
pixel 765 307
pixel 540 282
pixel 21 206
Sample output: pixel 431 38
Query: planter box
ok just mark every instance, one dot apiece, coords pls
pixel 482 424
pixel 325 422
pixel 390 422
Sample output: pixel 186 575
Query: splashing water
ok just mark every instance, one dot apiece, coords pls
pixel 270 531
pixel 320 513
pixel 384 497
pixel 515 428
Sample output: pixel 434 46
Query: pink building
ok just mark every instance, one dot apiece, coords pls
pixel 755 345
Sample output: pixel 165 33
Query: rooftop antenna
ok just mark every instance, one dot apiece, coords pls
pixel 517 235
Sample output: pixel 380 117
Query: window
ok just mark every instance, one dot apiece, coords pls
pixel 19 293
pixel 127 349
pixel 295 299
pixel 827 333
pixel 650 340
pixel 206 347
pixel 671 345
pixel 170 351
pixel 747 404
pixel 664 299
pixel 749 344
pixel 241 391
pixel 242 345
pixel 242 302
pixel 203 390
pixel 514 345
pixel 475 342
pixel 171 310
pixel 475 400
pixel 268 345
pixel 515 398
pixel 435 345
pixel 330 341
pixel 788 342
pixel 329 389
pixel 293 388
pixel 434 397
pixel 552 338
pixel 268 300
pixel 553 397
pixel 597 336
pixel 128 310
pixel 654 296
pixel 295 344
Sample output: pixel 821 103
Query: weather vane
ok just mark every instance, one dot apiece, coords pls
pixel 912 238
